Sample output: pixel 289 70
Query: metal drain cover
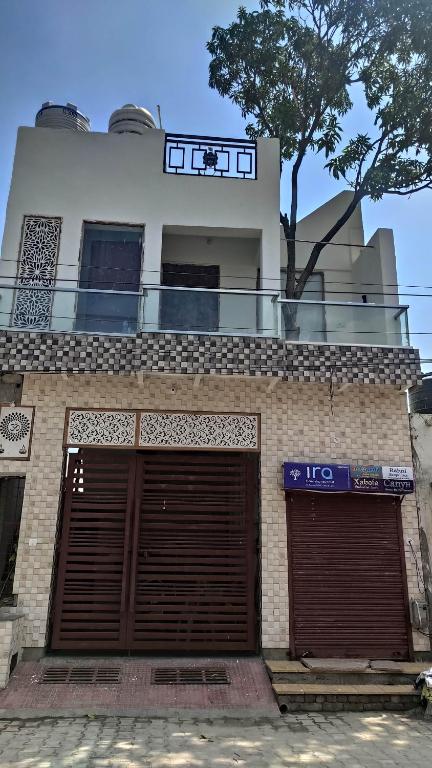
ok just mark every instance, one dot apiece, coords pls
pixel 80 675
pixel 190 676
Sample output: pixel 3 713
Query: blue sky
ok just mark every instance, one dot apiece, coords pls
pixel 100 54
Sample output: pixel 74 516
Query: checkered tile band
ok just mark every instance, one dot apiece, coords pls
pixel 42 352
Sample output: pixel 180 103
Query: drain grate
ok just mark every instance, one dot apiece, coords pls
pixel 80 675
pixel 190 676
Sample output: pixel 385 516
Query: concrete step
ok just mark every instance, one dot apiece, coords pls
pixel 286 666
pixel 308 696
pixel 401 667
pixel 296 672
pixel 350 678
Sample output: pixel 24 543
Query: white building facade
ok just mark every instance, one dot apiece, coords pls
pixel 156 394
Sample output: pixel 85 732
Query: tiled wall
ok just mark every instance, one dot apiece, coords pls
pixel 299 421
pixel 23 352
pixel 11 642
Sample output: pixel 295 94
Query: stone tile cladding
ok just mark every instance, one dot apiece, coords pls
pixel 11 642
pixel 176 353
pixel 361 424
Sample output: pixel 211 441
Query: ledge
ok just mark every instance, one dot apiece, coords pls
pixel 11 616
pixel 39 352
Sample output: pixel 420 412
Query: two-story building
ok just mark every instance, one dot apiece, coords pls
pixel 152 392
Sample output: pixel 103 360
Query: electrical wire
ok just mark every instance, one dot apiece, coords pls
pixel 124 270
pixel 238 330
pixel 306 292
pixel 420 580
pixel 277 280
pixel 325 242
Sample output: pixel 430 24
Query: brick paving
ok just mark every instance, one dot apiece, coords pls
pixel 250 688
pixel 349 740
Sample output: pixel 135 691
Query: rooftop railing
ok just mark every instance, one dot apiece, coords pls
pixel 226 312
pixel 210 156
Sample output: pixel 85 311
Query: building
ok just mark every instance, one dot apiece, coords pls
pixel 421 436
pixel 157 389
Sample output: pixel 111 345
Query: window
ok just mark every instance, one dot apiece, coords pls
pixel 189 310
pixel 110 261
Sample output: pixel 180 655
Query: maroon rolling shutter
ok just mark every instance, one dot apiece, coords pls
pixel 195 563
pixel 347 576
pixel 91 595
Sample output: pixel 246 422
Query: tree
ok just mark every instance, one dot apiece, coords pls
pixel 291 67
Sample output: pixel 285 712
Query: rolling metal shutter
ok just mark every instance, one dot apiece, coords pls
pixel 347 576
pixel 157 552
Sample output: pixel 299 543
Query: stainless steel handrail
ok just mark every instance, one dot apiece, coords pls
pixel 398 307
pixel 145 289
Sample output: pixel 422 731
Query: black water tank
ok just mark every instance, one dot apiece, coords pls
pixel 420 397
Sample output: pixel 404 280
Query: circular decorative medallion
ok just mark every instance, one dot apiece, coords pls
pixel 14 427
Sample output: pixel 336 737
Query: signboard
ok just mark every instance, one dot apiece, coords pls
pixel 366 484
pixel 317 477
pixel 357 478
pixel 380 485
pixel 397 473
pixel 398 486
pixel 366 470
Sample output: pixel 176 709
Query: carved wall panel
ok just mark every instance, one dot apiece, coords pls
pixel 198 430
pixel 16 427
pixel 116 428
pixel 37 268
pixel 157 429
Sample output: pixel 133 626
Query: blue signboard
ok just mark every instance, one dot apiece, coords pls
pixel 356 478
pixel 317 477
pixel 366 470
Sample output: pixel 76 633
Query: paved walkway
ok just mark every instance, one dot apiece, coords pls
pixel 249 689
pixel 332 741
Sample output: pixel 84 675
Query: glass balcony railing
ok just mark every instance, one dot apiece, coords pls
pixel 344 323
pixel 200 311
pixel 212 311
pixel 153 309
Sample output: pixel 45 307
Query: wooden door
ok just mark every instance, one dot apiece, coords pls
pixel 190 310
pixel 158 552
pixel 348 594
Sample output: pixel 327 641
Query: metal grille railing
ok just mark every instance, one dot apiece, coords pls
pixel 210 156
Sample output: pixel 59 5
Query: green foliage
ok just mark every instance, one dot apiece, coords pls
pixel 290 67
pixel 276 70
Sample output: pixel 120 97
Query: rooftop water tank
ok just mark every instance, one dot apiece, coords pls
pixel 420 397
pixel 131 119
pixel 53 115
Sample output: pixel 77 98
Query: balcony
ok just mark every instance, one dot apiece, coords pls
pixel 202 311
pixel 336 322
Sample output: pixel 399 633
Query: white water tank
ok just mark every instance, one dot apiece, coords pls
pixel 53 115
pixel 131 119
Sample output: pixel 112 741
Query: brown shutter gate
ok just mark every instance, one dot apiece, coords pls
pixel 157 552
pixel 347 581
pixel 91 594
